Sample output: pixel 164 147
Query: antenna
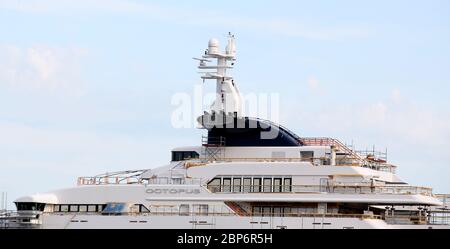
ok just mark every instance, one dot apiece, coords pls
pixel 227 95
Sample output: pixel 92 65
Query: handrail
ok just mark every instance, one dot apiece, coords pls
pixel 330 188
pixel 93 180
pixel 176 212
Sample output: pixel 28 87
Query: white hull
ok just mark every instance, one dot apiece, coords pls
pixel 215 222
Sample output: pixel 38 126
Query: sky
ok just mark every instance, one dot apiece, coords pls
pixel 86 86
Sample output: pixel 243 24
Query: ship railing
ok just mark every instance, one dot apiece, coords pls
pixel 101 180
pixel 12 219
pixel 327 188
pixel 135 180
pixel 222 212
pixel 173 181
pixel 317 161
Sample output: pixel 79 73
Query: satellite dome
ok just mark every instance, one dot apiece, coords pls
pixel 213 42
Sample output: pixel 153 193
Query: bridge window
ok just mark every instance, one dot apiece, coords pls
pixel 30 206
pixel 236 185
pixel 277 185
pixel 267 185
pixel 226 185
pixel 247 185
pixel 184 155
pixel 287 185
pixel 214 185
pixel 256 184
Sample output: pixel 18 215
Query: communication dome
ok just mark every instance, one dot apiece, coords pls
pixel 213 42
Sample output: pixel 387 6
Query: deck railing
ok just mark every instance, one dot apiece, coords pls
pixel 330 188
pixel 115 180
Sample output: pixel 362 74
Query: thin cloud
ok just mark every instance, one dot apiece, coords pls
pixel 185 16
pixel 41 67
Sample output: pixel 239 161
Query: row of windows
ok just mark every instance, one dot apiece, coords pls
pixel 184 155
pixel 33 206
pixel 288 211
pixel 199 209
pixel 94 208
pixel 244 184
pixel 79 208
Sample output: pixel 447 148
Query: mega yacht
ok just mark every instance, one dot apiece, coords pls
pixel 247 172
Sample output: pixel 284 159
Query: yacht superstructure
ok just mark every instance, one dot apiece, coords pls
pixel 247 173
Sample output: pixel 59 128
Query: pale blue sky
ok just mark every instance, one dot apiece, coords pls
pixel 85 86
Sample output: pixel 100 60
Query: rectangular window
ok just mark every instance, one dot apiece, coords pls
pixel 214 185
pixel 306 155
pixel 92 208
pixel 83 208
pixel 277 211
pixel 100 208
pixel 256 184
pixel 177 181
pixel 73 208
pixel 200 209
pixel 247 185
pixel 287 211
pixel 257 211
pixel 64 208
pixel 287 185
pixel 267 187
pixel 184 209
pixel 226 185
pixel 266 211
pixel 56 208
pixel 236 185
pixel 277 185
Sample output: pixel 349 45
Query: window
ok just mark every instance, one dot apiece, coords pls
pixel 256 184
pixel 184 209
pixel 277 185
pixel 83 208
pixel 236 185
pixel 184 155
pixel 226 184
pixel 201 209
pixel 306 155
pixel 64 208
pixel 73 208
pixel 256 211
pixel 287 185
pixel 100 208
pixel 92 208
pixel 267 185
pixel 143 209
pixel 287 211
pixel 30 206
pixel 266 211
pixel 177 181
pixel 277 211
pixel 56 208
pixel 214 185
pixel 247 185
